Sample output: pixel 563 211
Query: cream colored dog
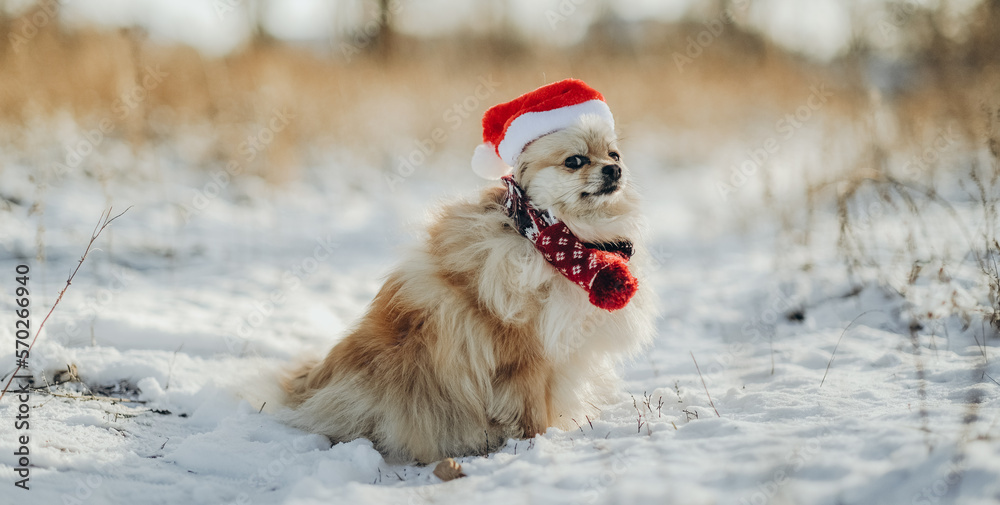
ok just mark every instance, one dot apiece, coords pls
pixel 476 338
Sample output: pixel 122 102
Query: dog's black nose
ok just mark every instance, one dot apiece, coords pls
pixel 612 172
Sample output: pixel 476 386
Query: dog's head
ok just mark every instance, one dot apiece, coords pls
pixel 579 174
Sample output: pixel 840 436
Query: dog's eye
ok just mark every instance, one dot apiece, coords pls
pixel 613 155
pixel 577 161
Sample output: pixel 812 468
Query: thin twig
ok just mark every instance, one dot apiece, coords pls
pixel 94 397
pixel 704 385
pixel 102 223
pixel 828 365
pixel 982 346
pixel 991 378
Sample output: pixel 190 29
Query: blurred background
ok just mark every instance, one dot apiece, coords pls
pixel 372 76
pixel 811 120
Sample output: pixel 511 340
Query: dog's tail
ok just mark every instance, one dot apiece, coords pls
pixel 296 381
pixel 260 385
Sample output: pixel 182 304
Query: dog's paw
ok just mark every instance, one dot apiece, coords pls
pixel 448 469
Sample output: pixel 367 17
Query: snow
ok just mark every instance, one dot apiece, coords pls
pixel 179 313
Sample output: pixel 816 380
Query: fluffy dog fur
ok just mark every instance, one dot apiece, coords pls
pixel 475 338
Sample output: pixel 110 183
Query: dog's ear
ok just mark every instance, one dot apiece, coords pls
pixel 522 167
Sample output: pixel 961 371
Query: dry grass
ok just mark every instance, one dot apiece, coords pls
pixel 936 228
pixel 375 105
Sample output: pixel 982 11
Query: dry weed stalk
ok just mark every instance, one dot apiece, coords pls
pixel 704 385
pixel 864 248
pixel 102 223
pixel 989 198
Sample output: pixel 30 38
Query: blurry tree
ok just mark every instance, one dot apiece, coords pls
pixel 609 32
pixel 4 24
pixel 503 37
pixel 256 15
pixel 363 27
pixel 383 38
pixel 983 45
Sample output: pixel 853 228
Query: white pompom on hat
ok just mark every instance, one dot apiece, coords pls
pixel 487 164
pixel 509 127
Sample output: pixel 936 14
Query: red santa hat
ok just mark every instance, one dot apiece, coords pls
pixel 509 127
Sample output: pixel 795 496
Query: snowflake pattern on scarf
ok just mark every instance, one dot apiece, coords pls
pixel 600 269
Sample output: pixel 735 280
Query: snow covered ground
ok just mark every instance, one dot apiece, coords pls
pixel 176 308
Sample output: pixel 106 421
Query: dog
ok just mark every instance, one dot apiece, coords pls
pixel 476 338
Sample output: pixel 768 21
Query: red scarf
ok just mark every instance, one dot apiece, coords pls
pixel 600 269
